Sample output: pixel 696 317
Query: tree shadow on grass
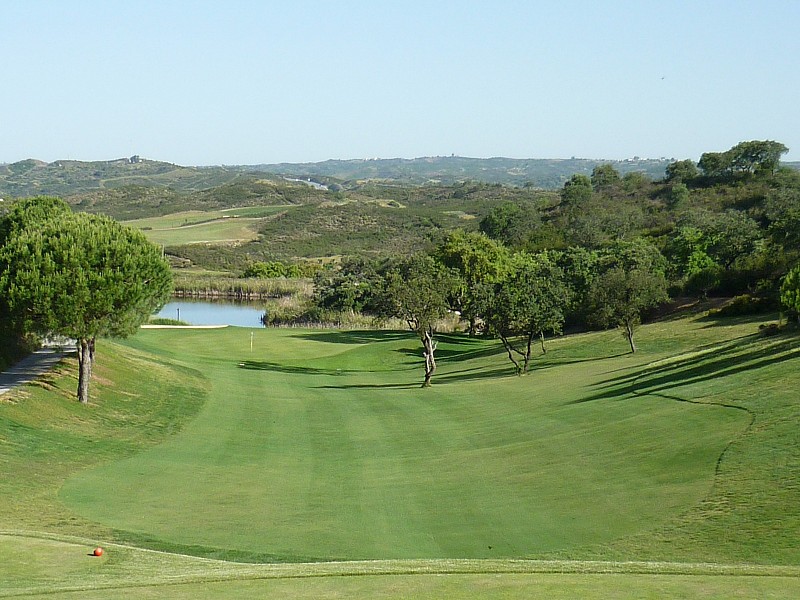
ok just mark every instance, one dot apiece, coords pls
pixel 448 355
pixel 356 336
pixel 712 320
pixel 438 379
pixel 254 365
pixel 315 371
pixel 370 386
pixel 751 353
pixel 474 374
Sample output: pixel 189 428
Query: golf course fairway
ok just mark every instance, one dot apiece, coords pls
pixel 319 447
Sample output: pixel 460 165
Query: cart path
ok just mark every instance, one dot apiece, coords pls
pixel 29 368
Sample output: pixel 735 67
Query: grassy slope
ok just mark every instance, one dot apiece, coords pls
pixel 45 435
pixel 373 466
pixel 627 474
pixel 190 227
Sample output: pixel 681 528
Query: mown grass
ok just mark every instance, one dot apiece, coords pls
pixel 45 436
pixel 212 226
pixel 212 232
pixel 196 217
pixel 319 446
pixel 64 568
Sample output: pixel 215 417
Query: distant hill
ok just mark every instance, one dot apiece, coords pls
pixel 540 173
pixel 72 178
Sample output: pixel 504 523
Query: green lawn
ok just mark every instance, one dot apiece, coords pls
pixel 319 446
pixel 195 226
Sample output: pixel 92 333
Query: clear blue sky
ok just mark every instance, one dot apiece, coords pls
pixel 238 82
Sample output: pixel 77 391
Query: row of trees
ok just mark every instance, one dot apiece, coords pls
pixel 76 275
pixel 516 296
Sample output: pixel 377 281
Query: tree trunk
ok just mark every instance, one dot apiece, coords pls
pixel 541 339
pixel 429 347
pixel 629 336
pixel 527 356
pixel 85 361
pixel 510 350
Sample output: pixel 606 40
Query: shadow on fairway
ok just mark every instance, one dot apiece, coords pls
pixel 443 379
pixel 723 321
pixel 292 369
pixel 446 355
pixel 474 374
pixel 315 371
pixel 745 354
pixel 370 386
pixel 365 336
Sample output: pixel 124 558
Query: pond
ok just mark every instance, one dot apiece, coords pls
pixel 203 312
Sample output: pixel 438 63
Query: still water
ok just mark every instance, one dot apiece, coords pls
pixel 203 312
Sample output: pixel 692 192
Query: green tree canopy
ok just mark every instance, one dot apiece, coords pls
pixel 511 223
pixel 681 171
pixel 532 300
pixel 783 214
pixel 353 286
pixel 619 296
pixel 478 260
pixel 755 157
pixel 604 178
pixel 725 236
pixel 577 189
pixel 638 253
pixel 28 212
pixel 81 276
pixel 417 291
pixel 790 292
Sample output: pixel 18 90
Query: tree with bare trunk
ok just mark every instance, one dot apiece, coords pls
pixel 80 276
pixel 619 296
pixel 417 291
pixel 530 302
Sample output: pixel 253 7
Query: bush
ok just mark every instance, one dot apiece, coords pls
pixel 165 321
pixel 276 269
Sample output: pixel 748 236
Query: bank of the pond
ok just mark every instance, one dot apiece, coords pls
pixel 236 288
pixel 232 295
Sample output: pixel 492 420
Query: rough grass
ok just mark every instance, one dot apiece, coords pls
pixel 189 283
pixel 319 445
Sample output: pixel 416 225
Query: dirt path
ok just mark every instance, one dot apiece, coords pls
pixel 29 368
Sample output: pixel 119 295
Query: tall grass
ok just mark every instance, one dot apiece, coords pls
pixel 193 285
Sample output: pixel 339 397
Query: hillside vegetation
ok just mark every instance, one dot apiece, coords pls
pixel 741 218
pixel 70 177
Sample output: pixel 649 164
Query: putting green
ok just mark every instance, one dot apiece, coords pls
pixel 320 445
